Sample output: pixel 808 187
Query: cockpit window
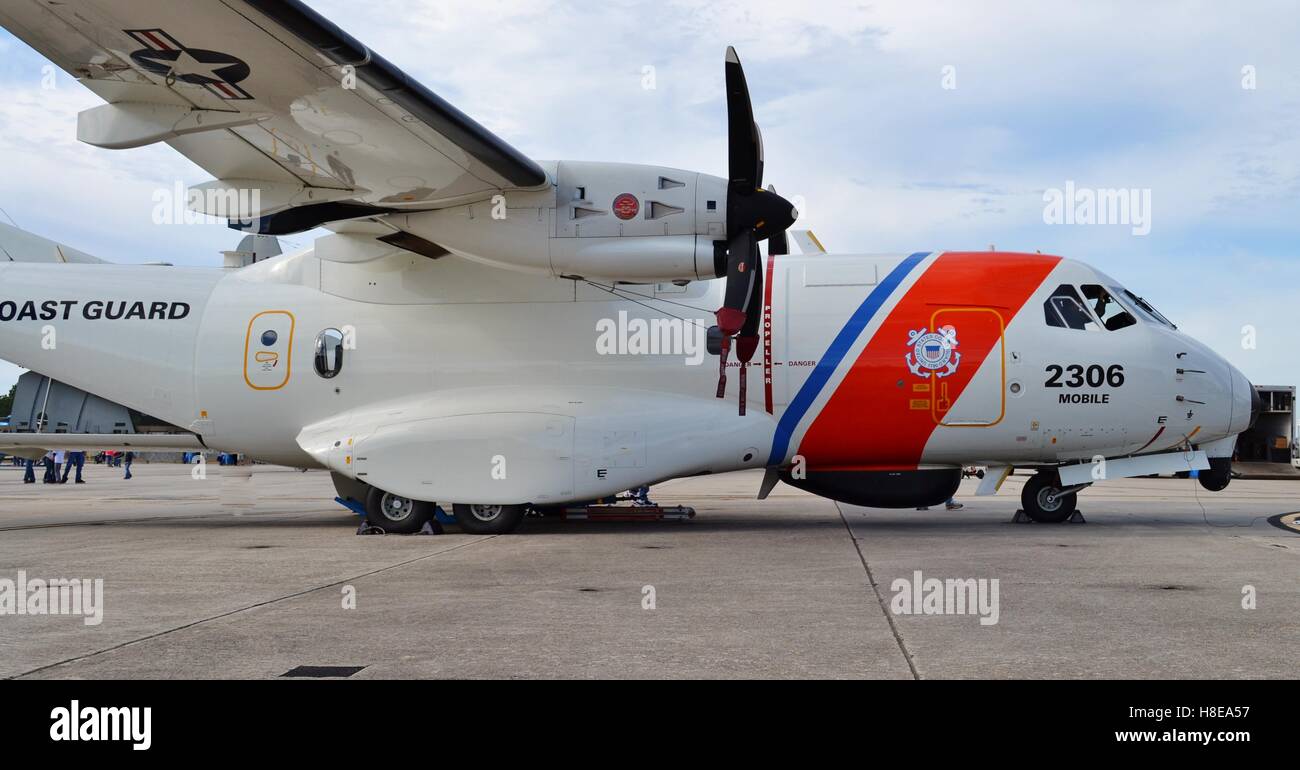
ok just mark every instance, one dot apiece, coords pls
pixel 1144 308
pixel 1113 315
pixel 1064 309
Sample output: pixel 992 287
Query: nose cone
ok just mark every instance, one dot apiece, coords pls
pixel 1256 405
pixel 1246 404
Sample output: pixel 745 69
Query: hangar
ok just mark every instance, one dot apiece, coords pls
pixel 1268 448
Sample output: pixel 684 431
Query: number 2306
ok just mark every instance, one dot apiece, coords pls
pixel 1078 376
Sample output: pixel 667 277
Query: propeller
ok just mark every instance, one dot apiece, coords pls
pixel 777 243
pixel 753 215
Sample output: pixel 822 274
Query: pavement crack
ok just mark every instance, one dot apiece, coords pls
pixel 228 613
pixel 880 599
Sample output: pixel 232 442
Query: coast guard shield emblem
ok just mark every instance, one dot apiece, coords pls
pixel 933 353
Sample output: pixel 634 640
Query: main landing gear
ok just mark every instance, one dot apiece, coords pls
pixel 489 519
pixel 1045 502
pixel 396 515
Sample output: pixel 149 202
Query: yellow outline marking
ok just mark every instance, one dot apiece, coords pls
pixel 1002 386
pixel 248 338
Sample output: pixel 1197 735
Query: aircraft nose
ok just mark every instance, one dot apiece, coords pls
pixel 1256 405
pixel 1246 403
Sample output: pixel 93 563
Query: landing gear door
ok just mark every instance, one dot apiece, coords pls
pixel 969 390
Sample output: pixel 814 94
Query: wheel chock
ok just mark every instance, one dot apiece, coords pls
pixel 367 528
pixel 1023 518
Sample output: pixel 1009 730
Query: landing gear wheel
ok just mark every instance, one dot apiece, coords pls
pixel 489 519
pixel 396 515
pixel 1043 502
pixel 1214 481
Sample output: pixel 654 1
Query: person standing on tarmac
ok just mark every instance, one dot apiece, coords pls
pixel 75 460
pixel 951 504
pixel 130 456
pixel 29 475
pixel 51 474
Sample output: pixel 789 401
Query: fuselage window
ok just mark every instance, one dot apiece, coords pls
pixel 329 353
pixel 1112 314
pixel 1064 309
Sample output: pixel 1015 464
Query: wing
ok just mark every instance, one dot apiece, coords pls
pixel 22 443
pixel 269 96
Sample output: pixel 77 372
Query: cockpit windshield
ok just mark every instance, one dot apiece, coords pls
pixel 1082 307
pixel 1064 309
pixel 1113 315
pixel 1144 308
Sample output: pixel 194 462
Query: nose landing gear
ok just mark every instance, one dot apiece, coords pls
pixel 1045 502
pixel 1219 475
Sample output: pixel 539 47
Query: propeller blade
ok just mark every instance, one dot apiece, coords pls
pixel 748 205
pixel 742 258
pixel 744 144
pixel 747 341
pixel 777 242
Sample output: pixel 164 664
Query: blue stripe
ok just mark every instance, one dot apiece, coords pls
pixel 840 346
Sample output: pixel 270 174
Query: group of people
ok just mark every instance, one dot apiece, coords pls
pixel 69 462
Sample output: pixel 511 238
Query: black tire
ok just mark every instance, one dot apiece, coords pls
pixel 489 519
pixel 396 515
pixel 1042 501
pixel 1214 481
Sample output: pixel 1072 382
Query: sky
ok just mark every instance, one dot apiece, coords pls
pixel 897 127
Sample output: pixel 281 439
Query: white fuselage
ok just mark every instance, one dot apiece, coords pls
pixel 466 382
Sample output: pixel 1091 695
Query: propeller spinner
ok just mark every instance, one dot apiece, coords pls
pixel 753 214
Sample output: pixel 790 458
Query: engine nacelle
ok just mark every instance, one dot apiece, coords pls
pixel 882 489
pixel 614 221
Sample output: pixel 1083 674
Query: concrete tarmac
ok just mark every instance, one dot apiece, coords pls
pixel 251 574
